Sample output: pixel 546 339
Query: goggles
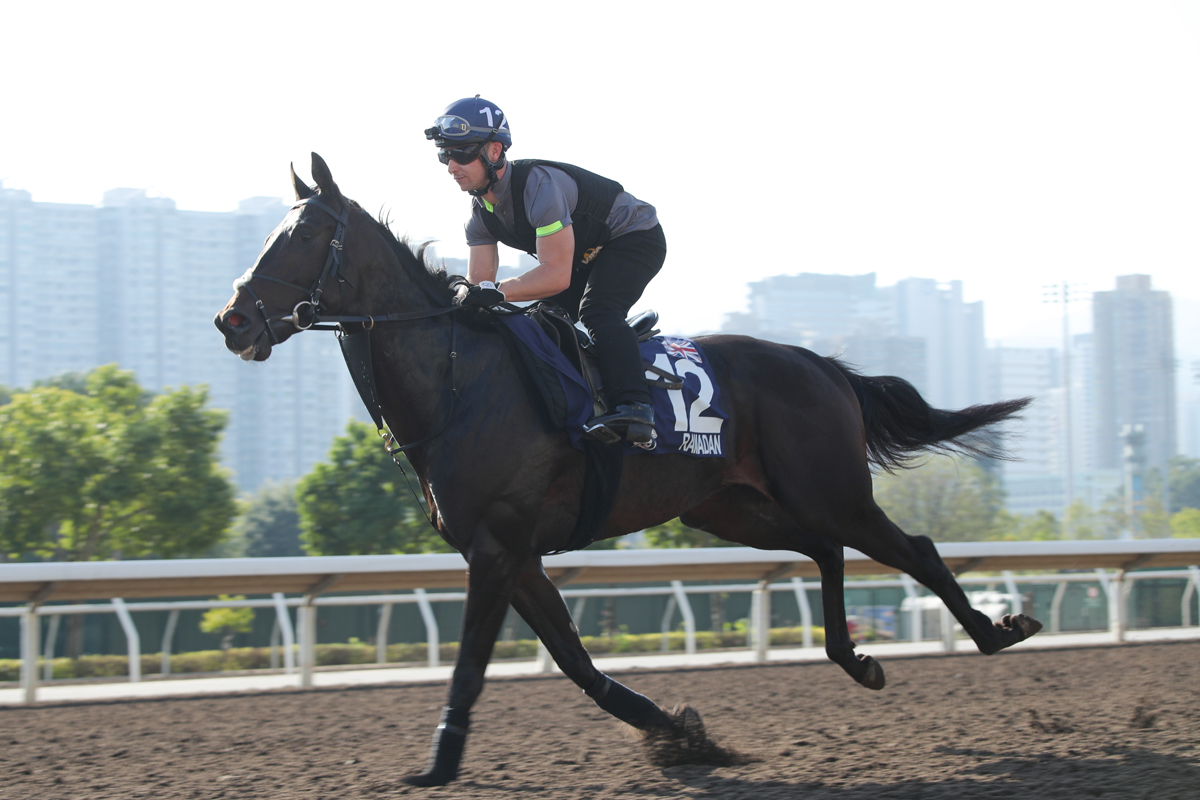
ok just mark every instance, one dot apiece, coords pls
pixel 459 155
pixel 453 127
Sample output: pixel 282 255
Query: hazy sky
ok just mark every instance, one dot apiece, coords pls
pixel 1008 145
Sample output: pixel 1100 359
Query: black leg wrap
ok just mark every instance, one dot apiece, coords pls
pixel 627 705
pixel 449 740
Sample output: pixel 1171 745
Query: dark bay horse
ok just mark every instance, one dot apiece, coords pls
pixel 802 433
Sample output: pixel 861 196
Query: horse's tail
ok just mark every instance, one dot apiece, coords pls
pixel 900 424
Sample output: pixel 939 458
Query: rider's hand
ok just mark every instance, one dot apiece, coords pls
pixel 482 295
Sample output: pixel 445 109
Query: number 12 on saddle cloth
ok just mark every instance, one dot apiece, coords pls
pixel 689 420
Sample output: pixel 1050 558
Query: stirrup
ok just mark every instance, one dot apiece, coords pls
pixel 601 433
pixel 633 422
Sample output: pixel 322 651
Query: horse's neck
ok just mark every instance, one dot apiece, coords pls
pixel 420 365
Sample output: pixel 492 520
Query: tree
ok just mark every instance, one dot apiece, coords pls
pixel 1186 524
pixel 111 472
pixel 947 499
pixel 358 503
pixel 269 525
pixel 1037 527
pixel 228 621
pixel 676 534
pixel 76 382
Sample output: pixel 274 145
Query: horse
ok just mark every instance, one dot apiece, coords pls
pixel 503 488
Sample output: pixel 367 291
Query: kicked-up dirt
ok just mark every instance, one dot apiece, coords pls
pixel 1113 722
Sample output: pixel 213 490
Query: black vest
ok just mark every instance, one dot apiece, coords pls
pixel 589 217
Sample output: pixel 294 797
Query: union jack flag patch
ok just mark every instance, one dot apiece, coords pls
pixel 682 348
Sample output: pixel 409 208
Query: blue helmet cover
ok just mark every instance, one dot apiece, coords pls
pixel 470 120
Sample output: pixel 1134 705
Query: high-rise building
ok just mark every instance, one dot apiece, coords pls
pixel 1134 362
pixel 1033 479
pixel 136 282
pixel 919 329
pixel 953 334
pixel 48 284
pixel 799 309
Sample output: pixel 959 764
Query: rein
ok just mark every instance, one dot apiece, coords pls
pixel 306 315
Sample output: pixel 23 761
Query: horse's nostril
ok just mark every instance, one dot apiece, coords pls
pixel 235 320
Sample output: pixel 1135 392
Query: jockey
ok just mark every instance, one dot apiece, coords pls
pixel 597 246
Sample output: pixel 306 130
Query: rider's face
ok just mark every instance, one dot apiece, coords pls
pixel 473 176
pixel 469 177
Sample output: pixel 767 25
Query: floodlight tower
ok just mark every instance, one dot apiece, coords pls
pixel 1065 293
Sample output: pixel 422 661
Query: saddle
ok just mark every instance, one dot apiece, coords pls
pixel 577 345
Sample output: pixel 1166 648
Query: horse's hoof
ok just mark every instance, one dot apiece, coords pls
pixel 686 741
pixel 1014 628
pixel 432 778
pixel 872 677
pixel 1023 623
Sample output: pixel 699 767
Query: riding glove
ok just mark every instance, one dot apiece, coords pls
pixel 482 295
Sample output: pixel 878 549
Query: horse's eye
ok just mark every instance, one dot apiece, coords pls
pixel 306 237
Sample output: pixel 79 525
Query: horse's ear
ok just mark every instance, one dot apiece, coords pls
pixel 324 178
pixel 302 189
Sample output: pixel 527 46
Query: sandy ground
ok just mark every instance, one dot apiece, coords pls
pixel 1117 722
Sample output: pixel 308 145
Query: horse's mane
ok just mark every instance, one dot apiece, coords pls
pixel 429 274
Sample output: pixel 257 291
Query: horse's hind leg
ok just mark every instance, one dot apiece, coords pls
pixel 835 501
pixel 539 603
pixel 882 540
pixel 744 515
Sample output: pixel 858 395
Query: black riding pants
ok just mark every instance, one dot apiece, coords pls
pixel 601 297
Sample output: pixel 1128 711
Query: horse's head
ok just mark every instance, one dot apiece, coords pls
pixel 297 270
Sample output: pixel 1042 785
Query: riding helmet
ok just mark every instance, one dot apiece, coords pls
pixel 470 120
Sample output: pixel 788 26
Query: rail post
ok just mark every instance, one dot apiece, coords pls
pixel 1018 603
pixel 1113 592
pixel 431 626
pixel 273 646
pixel 1060 591
pixel 48 651
pixel 805 611
pixel 1186 603
pixel 308 627
pixel 668 615
pixel 284 621
pixel 689 619
pixel 307 619
pixel 761 614
pixel 381 633
pixel 167 640
pixel 947 625
pixel 30 631
pixel 915 613
pixel 133 642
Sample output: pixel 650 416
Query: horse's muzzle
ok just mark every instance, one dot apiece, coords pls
pixel 240 336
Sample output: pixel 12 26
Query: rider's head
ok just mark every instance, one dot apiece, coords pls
pixel 472 130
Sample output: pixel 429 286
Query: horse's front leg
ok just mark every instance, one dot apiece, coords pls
pixel 491 575
pixel 539 603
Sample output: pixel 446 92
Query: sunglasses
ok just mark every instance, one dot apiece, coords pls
pixel 460 155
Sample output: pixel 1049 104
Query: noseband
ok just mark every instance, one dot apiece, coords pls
pixel 306 315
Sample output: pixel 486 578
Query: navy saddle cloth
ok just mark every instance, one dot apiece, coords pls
pixel 687 420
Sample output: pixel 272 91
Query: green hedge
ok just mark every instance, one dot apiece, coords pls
pixel 251 658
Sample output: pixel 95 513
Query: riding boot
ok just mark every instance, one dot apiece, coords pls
pixel 623 376
pixel 449 741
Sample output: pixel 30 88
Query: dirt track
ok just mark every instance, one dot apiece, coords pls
pixel 1120 722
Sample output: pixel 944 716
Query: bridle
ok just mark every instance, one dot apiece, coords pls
pixel 315 320
pixel 306 315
